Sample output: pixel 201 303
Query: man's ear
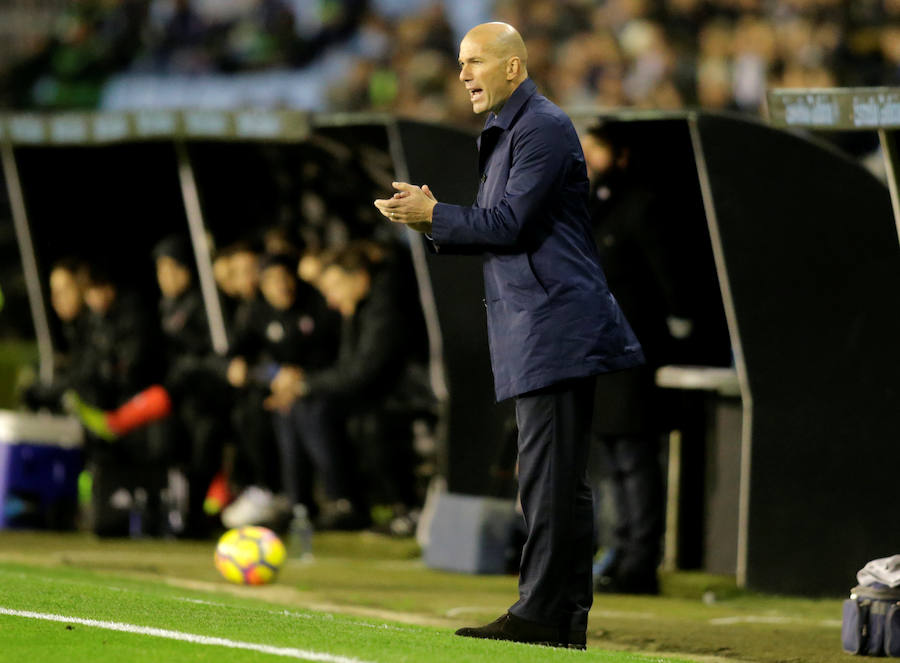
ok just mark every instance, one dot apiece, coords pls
pixel 513 67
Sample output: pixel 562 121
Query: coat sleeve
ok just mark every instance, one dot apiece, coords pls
pixel 539 156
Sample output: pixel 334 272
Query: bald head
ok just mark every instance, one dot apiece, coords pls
pixel 492 60
pixel 502 39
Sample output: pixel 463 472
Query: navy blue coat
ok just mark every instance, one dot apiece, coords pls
pixel 550 314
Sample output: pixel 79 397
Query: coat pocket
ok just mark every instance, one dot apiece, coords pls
pixel 516 276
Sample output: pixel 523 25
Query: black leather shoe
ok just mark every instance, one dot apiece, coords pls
pixel 516 629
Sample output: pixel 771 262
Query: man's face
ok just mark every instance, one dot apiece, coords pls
pixel 310 268
pixel 278 286
pixel 99 297
pixel 173 277
pixel 65 294
pixel 598 155
pixel 484 75
pixel 342 290
pixel 245 273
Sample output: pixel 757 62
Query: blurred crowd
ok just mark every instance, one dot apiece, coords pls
pixel 660 54
pixel 718 54
pixel 94 39
pixel 310 417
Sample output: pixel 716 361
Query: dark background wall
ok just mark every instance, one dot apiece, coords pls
pixel 813 262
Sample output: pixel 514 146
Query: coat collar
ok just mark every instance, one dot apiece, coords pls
pixel 513 105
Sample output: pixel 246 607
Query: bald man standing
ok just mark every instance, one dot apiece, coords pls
pixel 552 323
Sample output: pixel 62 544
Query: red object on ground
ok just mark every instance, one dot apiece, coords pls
pixel 149 405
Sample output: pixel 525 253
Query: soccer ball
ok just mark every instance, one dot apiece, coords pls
pixel 249 555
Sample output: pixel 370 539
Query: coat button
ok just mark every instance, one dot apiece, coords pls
pixel 483 178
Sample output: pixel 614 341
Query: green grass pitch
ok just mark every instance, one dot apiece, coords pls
pixel 364 599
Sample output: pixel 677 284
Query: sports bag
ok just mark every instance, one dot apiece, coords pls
pixel 871 621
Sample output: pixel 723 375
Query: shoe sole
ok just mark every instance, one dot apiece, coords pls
pixel 546 643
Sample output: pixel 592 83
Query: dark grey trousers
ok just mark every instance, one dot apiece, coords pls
pixel 554 441
pixel 310 440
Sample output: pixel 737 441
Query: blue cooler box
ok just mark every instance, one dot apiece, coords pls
pixel 40 459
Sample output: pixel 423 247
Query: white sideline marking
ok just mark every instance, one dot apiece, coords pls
pixel 287 652
pixel 199 601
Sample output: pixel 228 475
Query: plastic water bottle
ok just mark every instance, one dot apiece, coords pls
pixel 136 514
pixel 300 534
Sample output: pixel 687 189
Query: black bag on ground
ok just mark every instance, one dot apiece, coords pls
pixel 871 621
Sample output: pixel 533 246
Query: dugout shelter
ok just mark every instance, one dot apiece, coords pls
pixel 789 248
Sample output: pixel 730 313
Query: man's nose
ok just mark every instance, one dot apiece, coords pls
pixel 464 74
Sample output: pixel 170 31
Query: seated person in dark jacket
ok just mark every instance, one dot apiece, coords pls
pixel 253 473
pixel 368 377
pixel 293 331
pixel 194 380
pixel 70 370
pixel 120 348
pixel 236 270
